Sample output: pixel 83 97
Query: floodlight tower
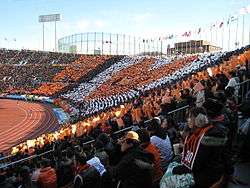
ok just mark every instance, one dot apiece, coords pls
pixel 50 18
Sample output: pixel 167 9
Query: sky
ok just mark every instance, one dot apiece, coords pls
pixel 145 18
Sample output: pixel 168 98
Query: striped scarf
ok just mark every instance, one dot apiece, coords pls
pixel 191 146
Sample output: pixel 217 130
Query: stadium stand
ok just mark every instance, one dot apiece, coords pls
pixel 133 137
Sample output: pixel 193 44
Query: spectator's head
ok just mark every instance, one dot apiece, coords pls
pixel 197 118
pixel 168 122
pixel 221 97
pixel 154 128
pixel 213 107
pixel 245 108
pixel 143 136
pixel 104 138
pixel 81 159
pixel 130 140
pixel 45 163
pixel 24 174
pixel 232 74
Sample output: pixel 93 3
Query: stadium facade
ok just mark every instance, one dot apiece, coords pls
pixel 110 44
pixel 99 43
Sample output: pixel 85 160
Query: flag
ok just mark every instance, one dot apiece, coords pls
pixel 233 18
pixel 221 24
pixel 185 34
pixel 199 31
pixel 171 36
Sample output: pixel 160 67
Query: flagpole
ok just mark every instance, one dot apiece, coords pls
pixel 195 43
pixel 211 34
pixel 229 25
pixel 243 28
pixel 249 35
pixel 216 41
pixel 87 42
pixel 222 37
pixel 102 43
pixel 139 45
pixel 236 42
pixel 110 43
pixel 161 48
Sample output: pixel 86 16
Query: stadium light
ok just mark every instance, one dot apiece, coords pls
pixel 50 18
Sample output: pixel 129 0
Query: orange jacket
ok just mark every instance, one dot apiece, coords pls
pixel 47 178
pixel 158 173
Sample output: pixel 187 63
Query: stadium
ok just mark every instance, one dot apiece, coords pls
pixel 105 109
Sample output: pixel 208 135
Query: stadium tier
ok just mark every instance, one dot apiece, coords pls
pixel 131 113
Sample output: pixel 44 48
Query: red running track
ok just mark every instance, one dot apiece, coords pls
pixel 20 121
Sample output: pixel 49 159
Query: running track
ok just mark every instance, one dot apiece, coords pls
pixel 20 121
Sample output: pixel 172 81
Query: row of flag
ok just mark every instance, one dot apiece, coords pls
pixel 231 19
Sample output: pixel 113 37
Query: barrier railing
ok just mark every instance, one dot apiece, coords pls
pixel 244 88
pixel 179 115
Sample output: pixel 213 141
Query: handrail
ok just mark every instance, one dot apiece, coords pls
pixel 5 157
pixel 25 159
pixel 178 109
pixel 244 82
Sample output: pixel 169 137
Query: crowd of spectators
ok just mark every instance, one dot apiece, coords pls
pixel 46 73
pixel 23 79
pixel 112 88
pixel 32 57
pixel 149 155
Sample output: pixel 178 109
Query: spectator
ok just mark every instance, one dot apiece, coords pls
pixel 150 148
pixel 234 82
pixel 135 168
pixel 24 178
pixel 203 150
pixel 4 183
pixel 159 138
pixel 47 177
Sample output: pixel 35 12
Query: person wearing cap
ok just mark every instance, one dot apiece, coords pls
pixel 135 168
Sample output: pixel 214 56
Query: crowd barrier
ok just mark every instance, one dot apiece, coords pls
pixel 244 88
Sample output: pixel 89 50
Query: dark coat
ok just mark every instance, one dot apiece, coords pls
pixel 134 170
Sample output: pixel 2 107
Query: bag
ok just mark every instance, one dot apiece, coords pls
pixel 169 180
